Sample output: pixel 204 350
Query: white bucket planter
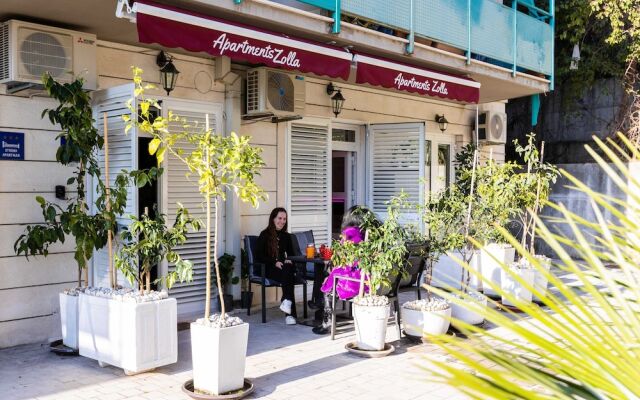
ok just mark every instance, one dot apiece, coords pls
pixel 371 326
pixel 447 272
pixel 69 320
pixel 510 285
pixel 133 336
pixel 464 314
pixel 540 282
pixel 218 356
pixel 419 323
pixel 491 268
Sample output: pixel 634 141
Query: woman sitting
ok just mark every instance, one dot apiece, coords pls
pixel 352 224
pixel 273 247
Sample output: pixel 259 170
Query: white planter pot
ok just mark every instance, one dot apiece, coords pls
pixel 371 326
pixel 540 282
pixel 219 356
pixel 419 323
pixel 69 320
pixel 491 268
pixel 447 272
pixel 510 285
pixel 133 336
pixel 462 313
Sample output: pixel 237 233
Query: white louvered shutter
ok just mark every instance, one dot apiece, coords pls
pixel 396 154
pixel 177 188
pixel 309 180
pixel 122 155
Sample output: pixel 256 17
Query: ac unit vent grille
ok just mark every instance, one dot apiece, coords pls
pixel 280 92
pixel 42 52
pixel 4 51
pixel 253 91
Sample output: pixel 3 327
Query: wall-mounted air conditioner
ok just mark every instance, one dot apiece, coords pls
pixel 275 92
pixel 28 50
pixel 492 127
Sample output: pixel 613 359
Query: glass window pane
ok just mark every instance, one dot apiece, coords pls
pixel 343 135
pixel 427 166
pixel 444 164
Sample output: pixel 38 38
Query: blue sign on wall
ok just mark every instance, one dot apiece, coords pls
pixel 11 146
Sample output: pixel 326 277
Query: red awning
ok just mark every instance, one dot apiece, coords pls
pixel 389 74
pixel 173 27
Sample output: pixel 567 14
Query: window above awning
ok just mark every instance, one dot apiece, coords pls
pixel 390 74
pixel 172 27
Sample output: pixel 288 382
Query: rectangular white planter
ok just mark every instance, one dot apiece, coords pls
pixel 447 272
pixel 540 282
pixel 218 357
pixel 133 336
pixel 69 320
pixel 512 286
pixel 491 268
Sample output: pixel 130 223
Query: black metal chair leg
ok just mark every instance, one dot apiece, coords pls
pixel 304 300
pixel 264 304
pixel 396 305
pixel 249 303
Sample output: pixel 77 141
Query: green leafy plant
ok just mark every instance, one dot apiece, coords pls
pixel 147 242
pixel 225 265
pixel 584 343
pixel 81 142
pixel 221 165
pixel 244 270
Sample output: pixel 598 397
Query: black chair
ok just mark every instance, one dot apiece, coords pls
pixel 300 242
pixel 257 274
pixel 415 268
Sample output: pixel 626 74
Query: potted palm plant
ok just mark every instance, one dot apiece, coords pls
pixel 144 336
pixel 380 255
pixel 221 165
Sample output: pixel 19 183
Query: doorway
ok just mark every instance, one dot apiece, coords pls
pixel 148 194
pixel 345 186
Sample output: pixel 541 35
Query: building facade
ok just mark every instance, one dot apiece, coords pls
pixel 262 68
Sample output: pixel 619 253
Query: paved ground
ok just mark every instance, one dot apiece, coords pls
pixel 284 362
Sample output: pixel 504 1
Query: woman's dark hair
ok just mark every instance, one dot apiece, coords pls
pixel 357 216
pixel 272 236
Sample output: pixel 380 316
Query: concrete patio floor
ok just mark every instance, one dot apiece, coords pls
pixel 284 362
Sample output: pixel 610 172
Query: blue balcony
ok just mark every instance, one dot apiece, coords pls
pixel 518 35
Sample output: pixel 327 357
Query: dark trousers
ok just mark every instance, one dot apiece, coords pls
pixel 286 276
pixel 328 310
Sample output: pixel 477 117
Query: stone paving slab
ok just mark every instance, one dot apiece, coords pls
pixel 284 362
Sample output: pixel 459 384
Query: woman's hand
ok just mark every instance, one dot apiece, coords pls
pixel 278 264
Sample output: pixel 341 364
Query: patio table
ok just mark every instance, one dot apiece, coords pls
pixel 321 271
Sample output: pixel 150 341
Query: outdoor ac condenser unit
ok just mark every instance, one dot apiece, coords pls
pixel 28 50
pixel 275 92
pixel 492 127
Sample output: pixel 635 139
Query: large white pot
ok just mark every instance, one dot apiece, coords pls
pixel 218 356
pixel 462 313
pixel 133 336
pixel 504 255
pixel 540 281
pixel 69 320
pixel 419 323
pixel 510 285
pixel 371 326
pixel 447 272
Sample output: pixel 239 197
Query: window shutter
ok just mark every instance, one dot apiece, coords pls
pixel 396 154
pixel 122 155
pixel 180 189
pixel 309 180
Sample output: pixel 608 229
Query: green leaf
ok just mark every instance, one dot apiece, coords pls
pixel 40 200
pixel 153 145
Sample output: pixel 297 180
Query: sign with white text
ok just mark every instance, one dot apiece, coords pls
pixel 11 146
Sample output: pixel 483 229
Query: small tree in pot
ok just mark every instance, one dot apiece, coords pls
pixel 381 253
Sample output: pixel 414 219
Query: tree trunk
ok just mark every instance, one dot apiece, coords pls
pixel 215 261
pixel 207 296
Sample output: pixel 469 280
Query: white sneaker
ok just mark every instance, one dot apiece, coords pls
pixel 285 306
pixel 289 320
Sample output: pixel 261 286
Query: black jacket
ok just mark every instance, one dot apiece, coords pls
pixel 285 248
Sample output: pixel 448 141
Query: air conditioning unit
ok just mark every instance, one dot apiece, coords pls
pixel 271 91
pixel 28 50
pixel 492 127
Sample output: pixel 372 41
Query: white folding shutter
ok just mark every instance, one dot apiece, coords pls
pixel 122 155
pixel 396 163
pixel 309 180
pixel 180 189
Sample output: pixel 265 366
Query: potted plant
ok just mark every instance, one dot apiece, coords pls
pixel 246 296
pixel 80 142
pixel 225 264
pixel 426 316
pixel 516 283
pixel 378 257
pixel 221 165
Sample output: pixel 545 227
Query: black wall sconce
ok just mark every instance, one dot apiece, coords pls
pixel 443 124
pixel 337 100
pixel 168 71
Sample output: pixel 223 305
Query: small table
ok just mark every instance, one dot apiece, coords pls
pixel 320 271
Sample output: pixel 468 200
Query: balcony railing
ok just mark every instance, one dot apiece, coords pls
pixel 518 36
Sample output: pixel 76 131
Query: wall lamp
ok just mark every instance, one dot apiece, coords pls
pixel 337 100
pixel 443 124
pixel 168 71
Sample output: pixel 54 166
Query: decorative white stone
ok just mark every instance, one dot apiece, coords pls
pixel 219 356
pixel 135 336
pixel 435 304
pixel 493 258
pixel 69 319
pixel 420 317
pixel 371 325
pixel 373 300
pixel 215 321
